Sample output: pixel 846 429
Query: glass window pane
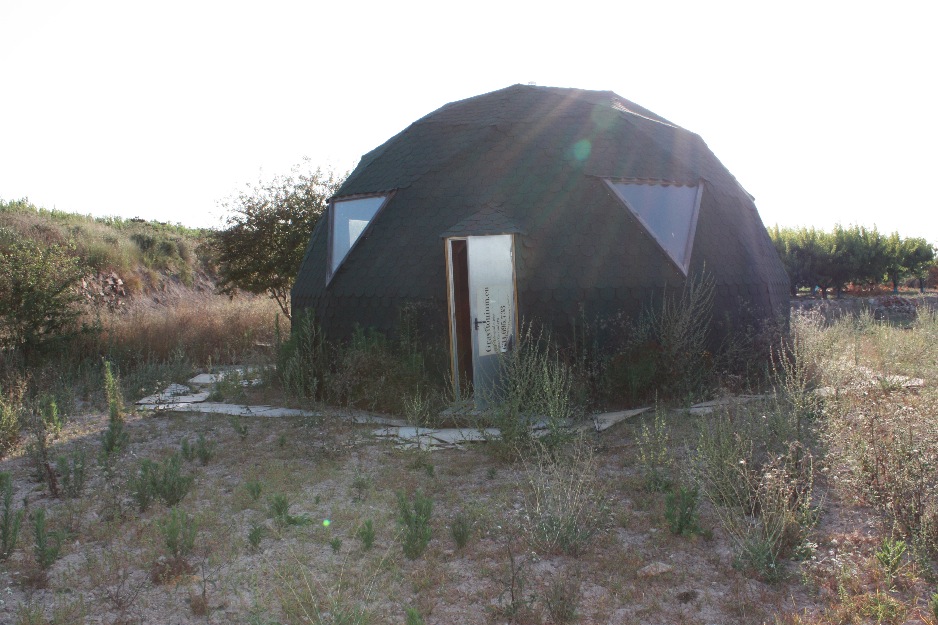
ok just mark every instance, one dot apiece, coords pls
pixel 349 221
pixel 667 211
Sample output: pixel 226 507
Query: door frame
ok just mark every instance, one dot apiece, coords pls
pixel 451 300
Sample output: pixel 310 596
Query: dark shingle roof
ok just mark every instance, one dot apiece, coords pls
pixel 530 161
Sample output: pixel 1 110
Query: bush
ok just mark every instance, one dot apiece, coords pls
pixel 462 527
pixel 47 544
pixel 9 520
pixel 38 303
pixel 114 438
pixel 654 452
pixel 532 382
pixel 302 361
pixel 680 511
pixel 72 473
pixel 414 518
pixel 178 530
pixel 163 481
pixel 11 406
pixel 564 503
pixel 367 534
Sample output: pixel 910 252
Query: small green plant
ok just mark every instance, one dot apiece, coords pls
pixel 654 452
pixel 72 473
pixel 178 530
pixel 680 511
pixel 413 617
pixel 361 484
pixel 564 502
pixel 49 409
pixel 336 544
pixel 186 449
pixel 256 534
pixel 367 535
pixel 462 528
pixel 204 450
pixel 254 488
pixel 239 427
pixel 47 544
pixel 933 605
pixel 889 555
pixel 414 518
pixel 164 481
pixel 282 441
pixel 562 599
pixel 114 438
pixel 280 512
pixel 9 520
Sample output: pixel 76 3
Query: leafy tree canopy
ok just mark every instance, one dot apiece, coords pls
pixel 267 230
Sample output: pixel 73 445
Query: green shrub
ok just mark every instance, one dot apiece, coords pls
pixel 680 511
pixel 164 481
pixel 256 534
pixel 367 535
pixel 204 450
pixel 114 438
pixel 239 427
pixel 655 454
pixel 47 544
pixel 302 361
pixel 335 544
pixel 11 406
pixel 72 473
pixel 533 383
pixel 186 449
pixel 414 518
pixel 890 555
pixel 280 512
pixel 462 528
pixel 9 520
pixel 562 599
pixel 564 503
pixel 254 488
pixel 179 531
pixel 413 617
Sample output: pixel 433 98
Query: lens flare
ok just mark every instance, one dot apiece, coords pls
pixel 582 149
pixel 326 522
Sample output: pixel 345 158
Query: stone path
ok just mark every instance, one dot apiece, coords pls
pixel 193 398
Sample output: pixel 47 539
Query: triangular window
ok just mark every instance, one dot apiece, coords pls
pixel 349 220
pixel 667 210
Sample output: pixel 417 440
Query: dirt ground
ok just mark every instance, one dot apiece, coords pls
pixel 113 565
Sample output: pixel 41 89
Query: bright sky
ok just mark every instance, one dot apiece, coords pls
pixel 825 111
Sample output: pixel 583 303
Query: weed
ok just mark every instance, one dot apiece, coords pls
pixel 164 481
pixel 72 473
pixel 239 427
pixel 282 441
pixel 414 518
pixel 512 603
pixel 933 606
pixel 367 535
pixel 564 504
pixel 47 544
pixel 179 531
pixel 562 599
pixel 680 511
pixel 114 438
pixel 301 361
pixel 280 511
pixel 9 520
pixel 255 535
pixel 186 449
pixel 204 450
pixel 254 488
pixel 335 544
pixel 11 407
pixel 413 617
pixel 361 484
pixel 38 451
pixel 654 452
pixel 889 555
pixel 462 528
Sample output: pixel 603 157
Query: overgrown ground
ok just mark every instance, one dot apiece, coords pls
pixel 816 505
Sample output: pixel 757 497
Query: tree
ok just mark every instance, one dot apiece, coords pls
pixel 39 300
pixel 267 231
pixel 918 256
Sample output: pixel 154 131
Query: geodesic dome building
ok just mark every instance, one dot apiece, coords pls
pixel 534 203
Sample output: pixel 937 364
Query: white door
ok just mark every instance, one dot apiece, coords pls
pixel 491 306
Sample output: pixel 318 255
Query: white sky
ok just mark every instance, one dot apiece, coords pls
pixel 825 111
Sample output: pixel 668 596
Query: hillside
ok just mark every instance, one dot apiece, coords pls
pixel 122 258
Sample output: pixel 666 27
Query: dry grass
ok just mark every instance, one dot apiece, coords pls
pixel 202 328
